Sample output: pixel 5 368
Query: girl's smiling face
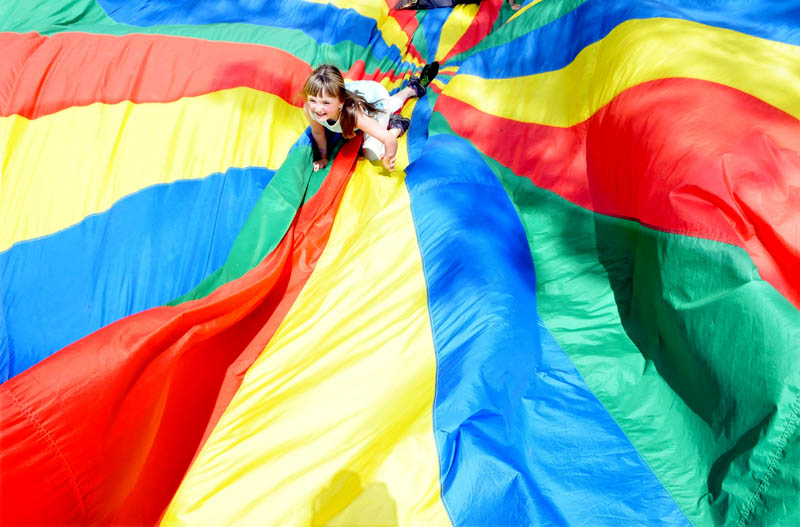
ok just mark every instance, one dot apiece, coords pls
pixel 324 106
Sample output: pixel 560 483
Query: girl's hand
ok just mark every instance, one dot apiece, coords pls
pixel 322 163
pixel 388 162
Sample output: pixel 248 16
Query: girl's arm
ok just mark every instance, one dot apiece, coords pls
pixel 375 129
pixel 318 133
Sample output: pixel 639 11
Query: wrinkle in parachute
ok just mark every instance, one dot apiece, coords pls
pixel 574 302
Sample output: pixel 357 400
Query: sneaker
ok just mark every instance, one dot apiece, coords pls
pixel 416 85
pixel 420 84
pixel 428 73
pixel 398 121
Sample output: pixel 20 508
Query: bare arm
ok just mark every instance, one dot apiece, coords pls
pixel 318 133
pixel 375 129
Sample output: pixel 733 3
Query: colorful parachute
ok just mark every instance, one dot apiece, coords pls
pixel 576 302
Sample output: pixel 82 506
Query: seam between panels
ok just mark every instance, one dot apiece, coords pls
pixel 622 430
pixel 49 439
pixel 774 461
pixel 436 359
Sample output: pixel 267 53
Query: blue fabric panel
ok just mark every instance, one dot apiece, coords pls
pixel 325 23
pixel 147 249
pixel 418 132
pixel 535 52
pixel 522 440
pixel 432 26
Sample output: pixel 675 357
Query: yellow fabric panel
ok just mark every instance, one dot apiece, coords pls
pixel 374 9
pixel 60 168
pixel 454 28
pixel 401 160
pixel 635 52
pixel 333 423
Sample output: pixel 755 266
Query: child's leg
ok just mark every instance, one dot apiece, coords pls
pixel 373 148
pixel 397 100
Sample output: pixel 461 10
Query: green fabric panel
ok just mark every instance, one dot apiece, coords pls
pixel 293 184
pixel 691 353
pixel 503 15
pixel 775 503
pixel 531 19
pixel 419 40
pixel 87 16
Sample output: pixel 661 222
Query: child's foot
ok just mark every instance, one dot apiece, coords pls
pixel 420 84
pixel 429 72
pixel 398 124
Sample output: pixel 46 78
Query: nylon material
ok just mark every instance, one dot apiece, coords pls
pixel 770 434
pixel 97 153
pixel 148 230
pixel 42 465
pixel 654 49
pixel 728 465
pixel 313 19
pixel 39 14
pixel 354 347
pixel 82 69
pixel 666 423
pixel 419 41
pixel 576 24
pixel 620 163
pixel 579 308
pixel 402 158
pixel 489 16
pixel 504 397
pixel 431 22
pixel 291 41
pixel 377 11
pixel 549 14
pixel 200 348
pixel 523 9
pixel 454 28
pixel 269 219
pixel 390 29
pixel 776 497
pixel 417 136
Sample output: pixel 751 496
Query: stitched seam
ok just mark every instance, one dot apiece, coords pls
pixel 774 460
pixel 49 439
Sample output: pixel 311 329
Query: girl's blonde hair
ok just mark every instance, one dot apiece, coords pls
pixel 327 80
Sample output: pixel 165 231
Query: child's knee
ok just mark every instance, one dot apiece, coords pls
pixel 372 149
pixel 370 153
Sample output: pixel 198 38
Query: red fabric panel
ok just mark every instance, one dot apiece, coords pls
pixel 407 20
pixel 680 155
pixel 77 69
pixel 480 26
pixel 358 72
pixel 103 431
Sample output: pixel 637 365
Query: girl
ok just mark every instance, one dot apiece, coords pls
pixel 359 105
